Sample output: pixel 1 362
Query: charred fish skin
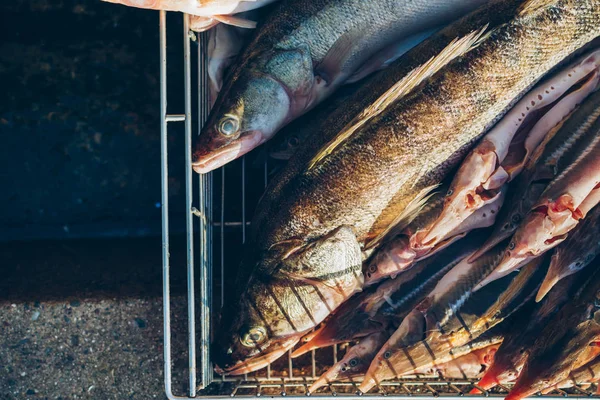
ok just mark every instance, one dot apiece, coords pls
pixel 303 52
pixel 561 342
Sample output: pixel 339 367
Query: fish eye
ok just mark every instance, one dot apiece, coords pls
pixel 449 193
pixel 294 141
pixel 578 264
pixel 255 336
pixel 511 246
pixel 516 218
pixel 229 125
pixel 387 354
pixel 353 362
pixel 373 268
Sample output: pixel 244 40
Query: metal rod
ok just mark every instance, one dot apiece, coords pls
pixel 165 202
pixel 189 221
pixel 205 187
pixel 175 118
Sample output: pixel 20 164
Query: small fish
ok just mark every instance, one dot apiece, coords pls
pixel 575 253
pixel 501 154
pixel 377 308
pixel 433 323
pixel 301 55
pixel 355 362
pixel 549 161
pixel 566 201
pixel 417 346
pixel 400 253
pixel 205 13
pixel 561 343
pixel 517 343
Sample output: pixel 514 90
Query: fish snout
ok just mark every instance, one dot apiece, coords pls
pixel 210 155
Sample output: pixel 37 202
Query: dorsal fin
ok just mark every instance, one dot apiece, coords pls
pixel 402 220
pixel 404 86
pixel 530 6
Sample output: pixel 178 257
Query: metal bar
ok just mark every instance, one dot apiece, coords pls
pixel 175 118
pixel 165 202
pixel 189 222
pixel 205 186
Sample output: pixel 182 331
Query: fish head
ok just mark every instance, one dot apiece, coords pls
pixel 355 363
pixel 294 286
pixel 250 342
pixel 248 112
pixel 388 261
pixel 466 194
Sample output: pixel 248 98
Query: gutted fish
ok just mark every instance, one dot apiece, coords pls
pixel 305 50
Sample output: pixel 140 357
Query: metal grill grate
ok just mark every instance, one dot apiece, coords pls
pixel 285 377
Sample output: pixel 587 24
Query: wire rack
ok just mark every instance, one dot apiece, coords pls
pixel 285 377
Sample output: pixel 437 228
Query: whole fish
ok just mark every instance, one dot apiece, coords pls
pixel 303 257
pixel 563 340
pixel 205 13
pixel 467 362
pixel 400 253
pixel 384 306
pixel 551 159
pixel 433 323
pixel 575 253
pixel 566 201
pixel 500 156
pixel 514 350
pixel 305 50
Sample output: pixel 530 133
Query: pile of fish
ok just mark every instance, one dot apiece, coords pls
pixel 440 213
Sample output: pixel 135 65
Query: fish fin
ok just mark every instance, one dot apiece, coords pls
pixel 414 78
pixel 235 21
pixel 531 6
pixel 411 211
pixel 330 65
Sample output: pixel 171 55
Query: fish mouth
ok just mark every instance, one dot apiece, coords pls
pixel 260 360
pixel 217 158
